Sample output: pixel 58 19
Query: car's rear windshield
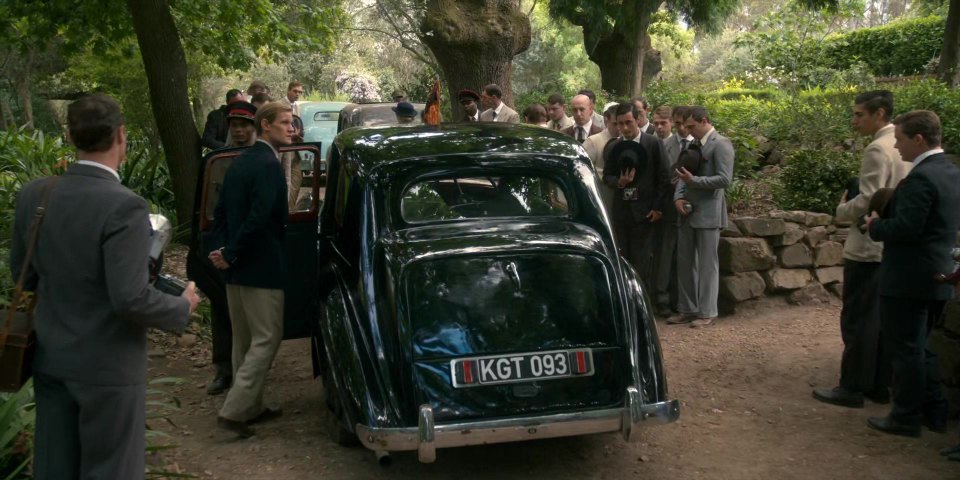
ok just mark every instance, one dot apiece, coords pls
pixel 326 116
pixel 457 198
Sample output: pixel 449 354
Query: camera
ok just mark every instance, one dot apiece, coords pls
pixel 169 285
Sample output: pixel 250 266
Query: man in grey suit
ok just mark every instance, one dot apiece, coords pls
pixel 496 111
pixel 666 286
pixel 698 268
pixel 918 231
pixel 95 305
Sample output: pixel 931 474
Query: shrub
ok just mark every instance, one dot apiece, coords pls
pixel 814 180
pixel 902 47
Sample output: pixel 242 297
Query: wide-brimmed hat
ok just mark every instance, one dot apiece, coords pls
pixel 629 154
pixel 241 109
pixel 405 109
pixel 880 200
pixel 467 94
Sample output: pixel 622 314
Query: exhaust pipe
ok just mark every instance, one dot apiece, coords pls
pixel 383 458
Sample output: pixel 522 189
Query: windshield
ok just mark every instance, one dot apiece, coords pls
pixel 456 198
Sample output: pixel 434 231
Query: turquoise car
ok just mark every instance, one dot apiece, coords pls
pixel 320 121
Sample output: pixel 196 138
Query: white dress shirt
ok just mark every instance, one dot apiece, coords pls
pixel 103 167
pixel 923 156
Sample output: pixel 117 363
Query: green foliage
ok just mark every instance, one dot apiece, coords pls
pixel 813 180
pixel 903 47
pixel 17 419
pixel 556 60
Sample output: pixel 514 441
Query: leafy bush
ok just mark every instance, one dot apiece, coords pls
pixel 17 420
pixel 814 180
pixel 902 47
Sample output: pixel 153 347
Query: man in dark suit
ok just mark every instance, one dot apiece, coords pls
pixel 640 194
pixel 89 271
pixel 918 233
pixel 249 222
pixel 216 128
pixel 468 100
pixel 646 126
pixel 583 125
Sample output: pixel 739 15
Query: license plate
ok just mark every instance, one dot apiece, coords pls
pixel 521 367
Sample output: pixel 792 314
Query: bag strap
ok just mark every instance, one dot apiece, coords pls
pixel 34 235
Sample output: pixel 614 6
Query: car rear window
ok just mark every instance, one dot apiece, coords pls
pixel 481 197
pixel 326 116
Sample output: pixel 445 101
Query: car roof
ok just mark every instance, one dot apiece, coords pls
pixel 376 146
pixel 322 106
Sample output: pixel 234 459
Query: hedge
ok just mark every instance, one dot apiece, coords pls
pixel 902 47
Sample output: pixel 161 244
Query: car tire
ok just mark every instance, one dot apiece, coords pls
pixel 334 416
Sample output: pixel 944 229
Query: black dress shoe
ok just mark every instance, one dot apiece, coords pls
pixel 893 427
pixel 880 397
pixel 266 415
pixel 220 384
pixel 239 428
pixel 839 396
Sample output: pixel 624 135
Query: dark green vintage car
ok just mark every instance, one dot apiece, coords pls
pixel 465 289
pixel 471 293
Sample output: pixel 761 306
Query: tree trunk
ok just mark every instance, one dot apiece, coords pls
pixel 166 68
pixel 619 60
pixel 6 113
pixel 950 55
pixel 26 101
pixel 474 41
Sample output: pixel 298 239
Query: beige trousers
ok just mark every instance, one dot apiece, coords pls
pixel 257 318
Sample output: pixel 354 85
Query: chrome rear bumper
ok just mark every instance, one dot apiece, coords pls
pixel 427 437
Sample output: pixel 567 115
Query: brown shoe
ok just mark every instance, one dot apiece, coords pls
pixel 702 322
pixel 680 319
pixel 239 428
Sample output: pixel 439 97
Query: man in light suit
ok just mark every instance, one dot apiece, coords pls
pixel 594 145
pixel 698 267
pixel 291 99
pixel 89 271
pixel 666 286
pixel 918 232
pixel 640 194
pixel 583 125
pixel 496 110
pixel 863 371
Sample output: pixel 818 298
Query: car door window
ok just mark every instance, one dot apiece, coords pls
pixel 479 197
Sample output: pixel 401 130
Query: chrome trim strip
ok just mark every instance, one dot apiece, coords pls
pixel 427 437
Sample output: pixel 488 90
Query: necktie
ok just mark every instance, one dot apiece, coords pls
pixel 683 144
pixel 580 134
pixel 494 116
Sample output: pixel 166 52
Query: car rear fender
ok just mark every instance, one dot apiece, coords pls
pixel 643 338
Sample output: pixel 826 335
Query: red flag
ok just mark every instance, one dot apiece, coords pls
pixel 431 113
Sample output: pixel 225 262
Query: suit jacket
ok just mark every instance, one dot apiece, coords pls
pixel 652 184
pixel 649 129
pixel 562 124
pixel 671 153
pixel 922 229
pixel 706 191
pixel 507 115
pixel 216 129
pixel 90 274
pixel 881 167
pixel 571 131
pixel 249 219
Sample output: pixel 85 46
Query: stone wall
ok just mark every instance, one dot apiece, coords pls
pixel 796 254
pixel 800 255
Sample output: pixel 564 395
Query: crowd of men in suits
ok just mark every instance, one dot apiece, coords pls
pixel 663 190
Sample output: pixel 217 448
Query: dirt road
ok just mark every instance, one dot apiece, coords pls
pixel 747 414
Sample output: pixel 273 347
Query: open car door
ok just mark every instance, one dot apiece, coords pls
pixel 300 304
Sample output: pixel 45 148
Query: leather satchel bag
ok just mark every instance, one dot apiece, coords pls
pixel 17 339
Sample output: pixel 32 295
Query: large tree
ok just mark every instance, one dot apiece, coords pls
pixel 949 68
pixel 219 31
pixel 616 38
